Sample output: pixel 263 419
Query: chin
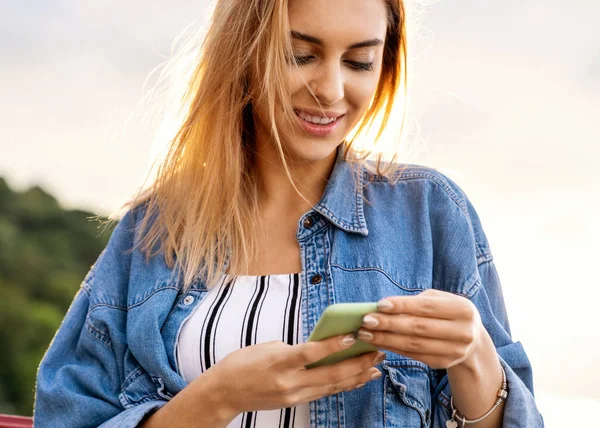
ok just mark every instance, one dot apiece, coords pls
pixel 311 150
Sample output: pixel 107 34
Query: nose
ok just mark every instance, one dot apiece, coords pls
pixel 328 85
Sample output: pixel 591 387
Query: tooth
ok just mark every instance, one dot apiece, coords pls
pixel 317 120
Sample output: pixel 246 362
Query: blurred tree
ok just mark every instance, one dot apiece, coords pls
pixel 45 252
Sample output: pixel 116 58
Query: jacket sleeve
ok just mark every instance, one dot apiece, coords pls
pixel 520 409
pixel 79 378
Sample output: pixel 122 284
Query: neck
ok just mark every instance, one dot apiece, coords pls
pixel 277 193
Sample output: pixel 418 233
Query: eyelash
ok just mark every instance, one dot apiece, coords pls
pixel 355 65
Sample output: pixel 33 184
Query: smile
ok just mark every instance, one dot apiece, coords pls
pixel 318 125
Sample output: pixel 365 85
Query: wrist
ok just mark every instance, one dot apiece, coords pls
pixel 210 386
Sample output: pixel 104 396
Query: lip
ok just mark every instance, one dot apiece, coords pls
pixel 319 130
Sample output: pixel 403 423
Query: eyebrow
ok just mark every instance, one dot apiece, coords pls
pixel 319 42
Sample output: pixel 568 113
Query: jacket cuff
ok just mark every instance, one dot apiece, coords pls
pixel 131 418
pixel 520 410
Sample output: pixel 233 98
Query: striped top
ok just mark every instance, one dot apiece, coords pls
pixel 239 312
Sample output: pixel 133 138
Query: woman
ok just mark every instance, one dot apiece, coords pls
pixel 198 311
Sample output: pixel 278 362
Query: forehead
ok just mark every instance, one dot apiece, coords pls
pixel 339 21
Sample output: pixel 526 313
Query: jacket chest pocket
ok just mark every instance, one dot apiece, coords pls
pixel 406 395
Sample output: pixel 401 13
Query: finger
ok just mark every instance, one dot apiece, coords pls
pixel 348 384
pixel 310 352
pixel 421 345
pixel 411 325
pixel 430 304
pixel 338 372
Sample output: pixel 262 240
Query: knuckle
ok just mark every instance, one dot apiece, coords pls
pixel 272 359
pixel 366 363
pixel 289 400
pixel 428 304
pixel 459 352
pixel 472 313
pixel 413 344
pixel 332 389
pixel 305 354
pixel 282 386
pixel 419 327
pixel 336 375
pixel 467 336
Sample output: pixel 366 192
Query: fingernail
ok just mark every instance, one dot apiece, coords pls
pixel 379 358
pixel 360 386
pixel 369 321
pixel 384 305
pixel 348 340
pixel 376 375
pixel 364 335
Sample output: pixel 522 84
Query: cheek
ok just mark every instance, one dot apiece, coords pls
pixel 360 92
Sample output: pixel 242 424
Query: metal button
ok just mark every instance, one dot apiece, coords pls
pixel 315 279
pixel 308 222
pixel 188 300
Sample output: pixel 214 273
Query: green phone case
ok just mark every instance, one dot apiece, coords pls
pixel 342 318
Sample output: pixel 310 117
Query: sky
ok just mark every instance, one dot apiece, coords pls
pixel 506 96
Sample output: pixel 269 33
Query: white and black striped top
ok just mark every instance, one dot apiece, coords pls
pixel 240 312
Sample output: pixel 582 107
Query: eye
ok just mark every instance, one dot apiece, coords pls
pixel 360 66
pixel 301 60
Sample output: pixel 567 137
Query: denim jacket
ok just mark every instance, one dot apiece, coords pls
pixel 112 362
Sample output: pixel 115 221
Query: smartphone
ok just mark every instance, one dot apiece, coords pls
pixel 342 318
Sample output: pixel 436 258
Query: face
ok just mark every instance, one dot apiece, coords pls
pixel 338 47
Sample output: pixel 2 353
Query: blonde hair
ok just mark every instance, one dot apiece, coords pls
pixel 201 210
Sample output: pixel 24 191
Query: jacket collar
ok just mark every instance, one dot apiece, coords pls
pixel 342 201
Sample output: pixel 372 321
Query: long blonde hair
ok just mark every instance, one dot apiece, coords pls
pixel 201 211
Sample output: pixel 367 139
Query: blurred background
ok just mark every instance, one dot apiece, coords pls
pixel 507 99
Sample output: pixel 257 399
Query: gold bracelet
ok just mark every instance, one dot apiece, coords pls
pixel 501 396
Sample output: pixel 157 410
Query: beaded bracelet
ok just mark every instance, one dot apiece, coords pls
pixel 502 394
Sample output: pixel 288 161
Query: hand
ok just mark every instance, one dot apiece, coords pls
pixel 438 328
pixel 272 375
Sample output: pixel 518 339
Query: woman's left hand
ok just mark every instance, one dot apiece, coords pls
pixel 440 329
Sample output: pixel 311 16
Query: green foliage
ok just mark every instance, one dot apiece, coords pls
pixel 45 252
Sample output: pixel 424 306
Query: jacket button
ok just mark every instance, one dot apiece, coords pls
pixel 188 300
pixel 315 279
pixel 308 222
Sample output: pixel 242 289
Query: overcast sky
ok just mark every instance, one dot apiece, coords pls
pixel 507 94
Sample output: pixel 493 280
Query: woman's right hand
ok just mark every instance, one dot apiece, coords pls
pixel 272 375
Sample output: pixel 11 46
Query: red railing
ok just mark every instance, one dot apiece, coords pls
pixel 8 421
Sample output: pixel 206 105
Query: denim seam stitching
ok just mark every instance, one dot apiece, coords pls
pixel 102 337
pixel 130 378
pixel 314 230
pixel 108 305
pixel 341 223
pixel 144 399
pixel 403 287
pixel 385 388
pixel 152 294
pixel 85 289
pixel 487 259
pixel 436 180
pixel 359 206
pixel 472 289
pixel 327 274
pixel 445 403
